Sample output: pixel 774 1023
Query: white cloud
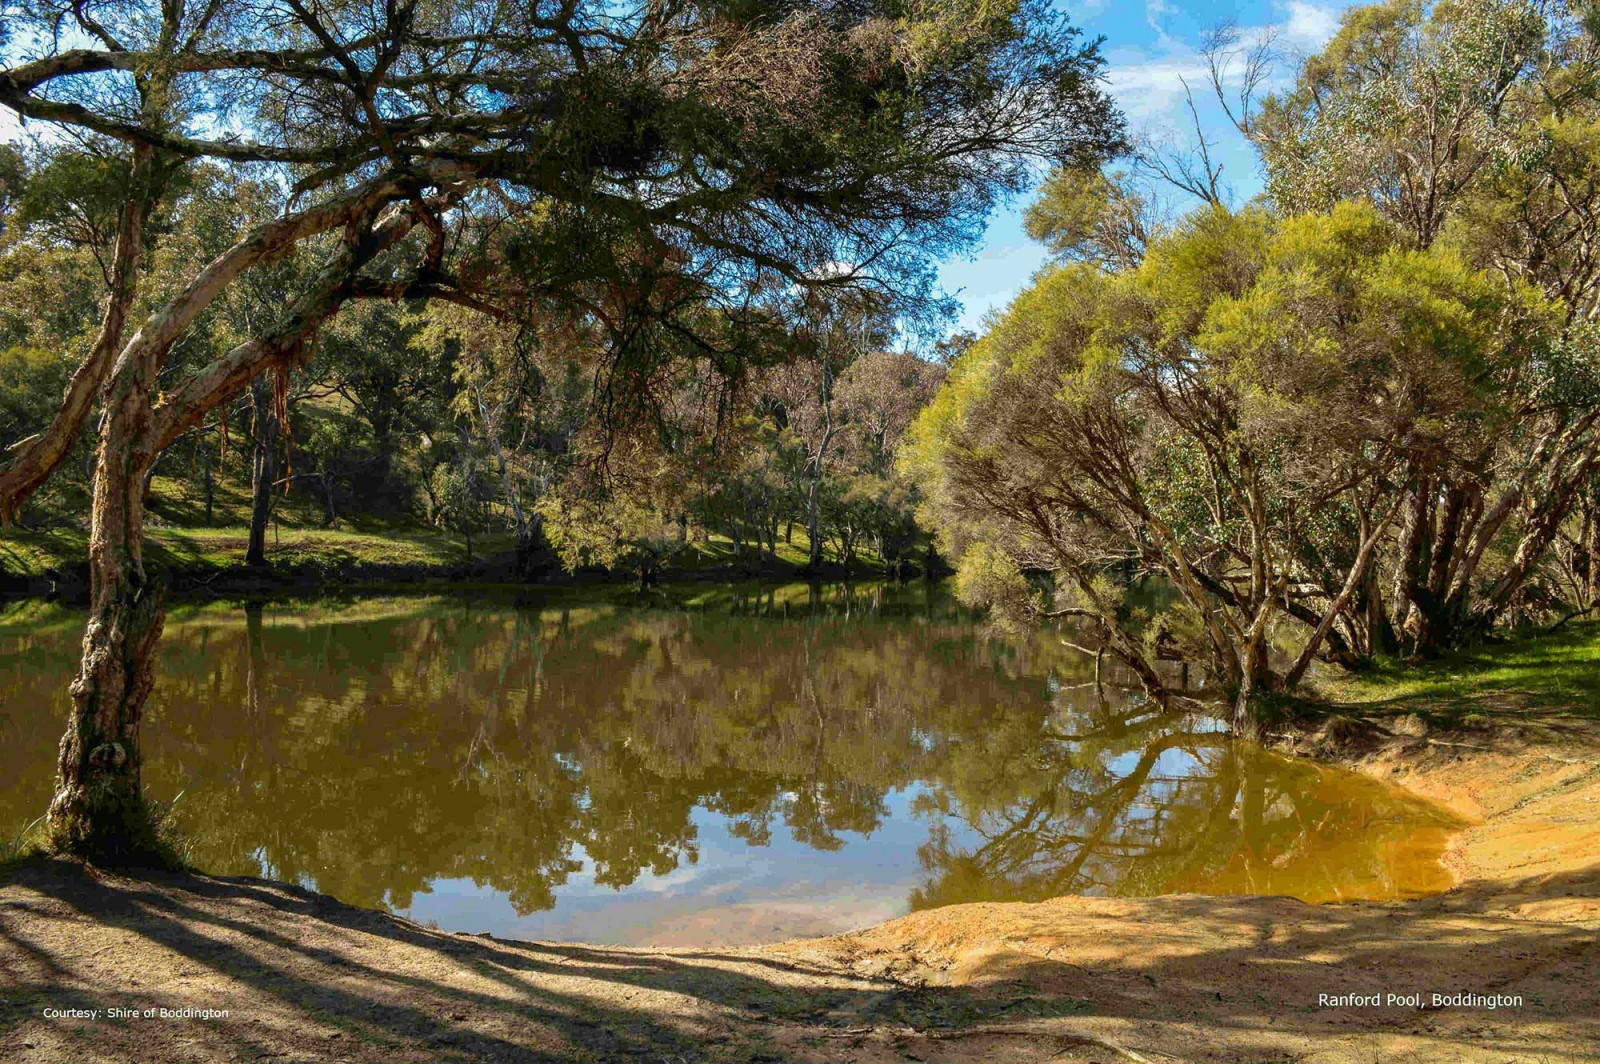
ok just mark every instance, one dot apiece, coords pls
pixel 1147 88
pixel 1154 12
pixel 1308 25
pixel 1148 82
pixel 10 128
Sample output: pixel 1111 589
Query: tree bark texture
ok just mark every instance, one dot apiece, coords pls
pixel 263 470
pixel 99 810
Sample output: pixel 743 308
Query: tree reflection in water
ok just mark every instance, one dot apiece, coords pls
pixel 1163 806
pixel 376 747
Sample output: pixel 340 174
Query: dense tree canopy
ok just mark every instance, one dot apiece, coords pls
pixel 1350 419
pixel 630 185
pixel 1234 414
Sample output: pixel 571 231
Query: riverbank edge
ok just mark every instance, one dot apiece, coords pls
pixel 1527 792
pixel 241 581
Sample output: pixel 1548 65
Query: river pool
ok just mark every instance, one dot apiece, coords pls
pixel 709 765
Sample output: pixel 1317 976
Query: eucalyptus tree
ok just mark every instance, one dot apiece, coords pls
pixel 1234 416
pixel 834 329
pixel 1472 125
pixel 636 161
pixel 879 395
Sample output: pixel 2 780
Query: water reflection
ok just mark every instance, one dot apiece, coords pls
pixel 735 765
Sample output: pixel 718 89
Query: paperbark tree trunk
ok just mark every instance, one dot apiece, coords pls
pixel 36 458
pixel 818 468
pixel 263 470
pixel 99 810
pixel 1246 724
pixel 1255 674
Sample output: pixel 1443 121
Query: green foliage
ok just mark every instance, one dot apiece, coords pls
pixel 607 304
pixel 13 182
pixel 73 197
pixel 621 531
pixel 31 383
pixel 1084 214
pixel 461 498
pixel 988 578
pixel 1212 417
pixel 1406 105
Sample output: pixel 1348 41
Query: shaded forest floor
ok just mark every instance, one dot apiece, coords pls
pixel 1184 978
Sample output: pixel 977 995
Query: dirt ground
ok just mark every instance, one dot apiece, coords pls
pixel 1187 978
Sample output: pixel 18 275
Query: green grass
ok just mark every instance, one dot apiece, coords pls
pixel 203 550
pixel 718 553
pixel 178 540
pixel 175 503
pixel 27 845
pixel 225 547
pixel 31 554
pixel 1555 675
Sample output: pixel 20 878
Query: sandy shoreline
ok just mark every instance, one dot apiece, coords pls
pixel 1191 978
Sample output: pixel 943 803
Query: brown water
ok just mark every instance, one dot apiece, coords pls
pixel 709 766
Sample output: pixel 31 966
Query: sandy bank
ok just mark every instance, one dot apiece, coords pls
pixel 1188 978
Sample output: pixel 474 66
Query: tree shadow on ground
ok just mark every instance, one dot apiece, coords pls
pixel 1554 677
pixel 307 978
pixel 1450 944
pixel 334 993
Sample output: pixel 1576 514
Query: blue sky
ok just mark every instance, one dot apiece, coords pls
pixel 1151 46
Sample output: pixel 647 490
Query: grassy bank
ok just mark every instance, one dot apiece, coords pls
pixel 1555 674
pixel 199 559
pixel 190 544
pixel 204 550
pixel 188 556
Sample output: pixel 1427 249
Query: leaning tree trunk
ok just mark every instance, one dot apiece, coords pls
pixel 263 470
pixel 99 811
